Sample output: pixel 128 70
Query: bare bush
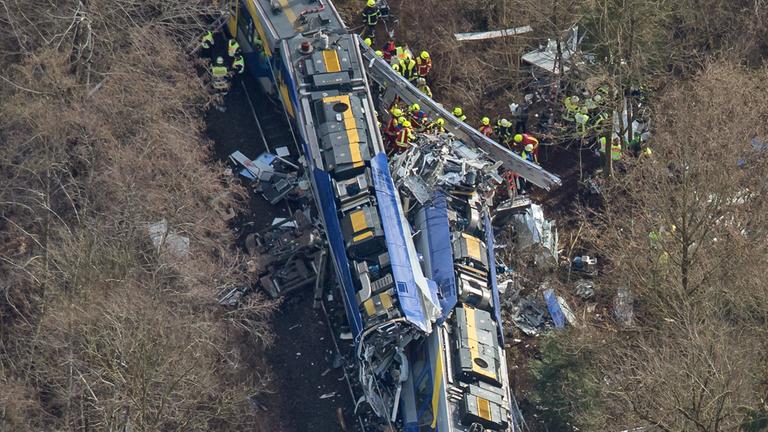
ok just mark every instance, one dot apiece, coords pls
pixel 102 135
pixel 686 230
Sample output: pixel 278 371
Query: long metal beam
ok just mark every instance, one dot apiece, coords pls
pixel 390 81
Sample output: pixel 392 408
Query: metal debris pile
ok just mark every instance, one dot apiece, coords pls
pixel 441 161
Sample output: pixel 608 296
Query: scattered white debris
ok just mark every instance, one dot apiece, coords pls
pixel 492 34
pixel 164 239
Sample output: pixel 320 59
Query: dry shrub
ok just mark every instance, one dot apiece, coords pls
pixel 697 357
pixel 102 135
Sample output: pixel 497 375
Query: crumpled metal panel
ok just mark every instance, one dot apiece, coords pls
pixel 417 308
pixel 441 254
pixel 327 204
pixel 492 266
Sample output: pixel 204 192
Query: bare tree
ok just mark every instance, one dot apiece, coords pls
pixel 686 230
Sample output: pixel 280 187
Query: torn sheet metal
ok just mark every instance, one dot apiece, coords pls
pixel 492 34
pixel 437 235
pixel 418 302
pixel 534 232
pixel 545 57
pixel 489 240
pixel 259 169
pixel 327 204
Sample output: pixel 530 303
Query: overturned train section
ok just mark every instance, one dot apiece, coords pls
pixel 410 238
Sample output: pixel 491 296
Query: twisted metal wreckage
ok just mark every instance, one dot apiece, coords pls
pixel 410 238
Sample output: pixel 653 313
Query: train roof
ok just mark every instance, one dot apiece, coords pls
pixel 289 18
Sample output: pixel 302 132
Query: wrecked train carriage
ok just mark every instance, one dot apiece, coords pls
pixel 316 69
pixel 430 355
pixel 455 237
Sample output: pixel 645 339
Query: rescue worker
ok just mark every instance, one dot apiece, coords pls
pixel 220 76
pixel 417 116
pixel 404 137
pixel 571 104
pixel 368 42
pixel 581 119
pixel 391 130
pixel 528 154
pixel 525 140
pixel 615 148
pixel 459 113
pixel 504 131
pixel 389 49
pixel 409 72
pixel 423 64
pixel 206 44
pixel 437 126
pixel 238 64
pixel 396 68
pixel 421 83
pixel 485 127
pixel 233 48
pixel 403 52
pixel 371 15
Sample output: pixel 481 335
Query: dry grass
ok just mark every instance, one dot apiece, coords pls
pixel 100 330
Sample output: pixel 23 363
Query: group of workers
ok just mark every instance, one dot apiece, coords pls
pixel 402 123
pixel 223 65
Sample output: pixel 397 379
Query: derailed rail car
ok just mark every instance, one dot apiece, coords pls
pixel 424 363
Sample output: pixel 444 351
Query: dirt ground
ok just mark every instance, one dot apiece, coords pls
pixel 301 357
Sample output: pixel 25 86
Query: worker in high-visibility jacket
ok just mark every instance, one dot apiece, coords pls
pixel 371 15
pixel 220 76
pixel 409 72
pixel 421 84
pixel 485 127
pixel 615 148
pixel 233 48
pixel 397 68
pixel 418 117
pixel 459 113
pixel 525 139
pixel 392 126
pixel 238 64
pixel 528 154
pixel 423 64
pixel 436 127
pixel 571 104
pixel 504 131
pixel 581 119
pixel 404 137
pixel 368 42
pixel 206 43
